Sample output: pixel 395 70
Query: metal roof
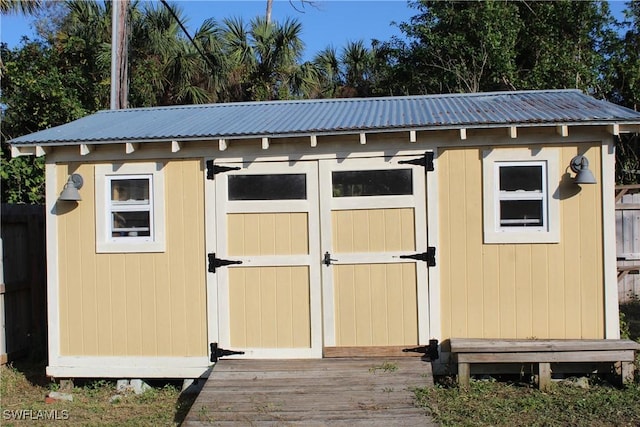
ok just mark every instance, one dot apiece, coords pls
pixel 332 116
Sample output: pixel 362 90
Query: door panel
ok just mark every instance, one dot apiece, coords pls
pixel 376 304
pixel 373 230
pixel 373 211
pixel 269 306
pixel 268 233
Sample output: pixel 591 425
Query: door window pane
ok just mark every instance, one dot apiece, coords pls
pixel 268 187
pixel 372 183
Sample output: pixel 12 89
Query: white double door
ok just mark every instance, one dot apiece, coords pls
pixel 312 257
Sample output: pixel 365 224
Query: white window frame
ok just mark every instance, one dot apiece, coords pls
pixel 104 175
pixel 494 231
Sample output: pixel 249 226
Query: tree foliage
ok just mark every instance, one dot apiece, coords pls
pixel 453 46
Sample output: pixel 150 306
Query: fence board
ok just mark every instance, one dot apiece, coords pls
pixel 628 245
pixel 23 282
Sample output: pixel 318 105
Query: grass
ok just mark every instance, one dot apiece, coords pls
pixel 503 403
pixel 23 387
pixel 507 404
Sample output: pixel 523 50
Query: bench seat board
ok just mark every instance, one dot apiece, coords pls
pixel 479 345
pixel 538 357
pixel 542 352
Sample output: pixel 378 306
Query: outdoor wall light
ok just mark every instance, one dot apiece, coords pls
pixel 70 190
pixel 580 165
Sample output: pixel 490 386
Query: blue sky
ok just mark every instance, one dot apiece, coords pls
pixel 327 22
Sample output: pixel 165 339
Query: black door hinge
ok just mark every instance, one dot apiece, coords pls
pixel 213 170
pixel 217 262
pixel 426 161
pixel 217 352
pixel 430 351
pixel 429 257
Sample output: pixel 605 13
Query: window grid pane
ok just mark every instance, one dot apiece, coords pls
pixel 521 196
pixel 130 207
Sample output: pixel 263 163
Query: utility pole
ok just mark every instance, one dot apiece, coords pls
pixel 119 47
pixel 269 7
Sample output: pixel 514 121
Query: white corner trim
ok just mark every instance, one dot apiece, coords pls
pixel 610 279
pixel 513 132
pixel 433 273
pixel 265 143
pixel 463 133
pixel 363 138
pixel 314 140
pixel 210 247
pixel 53 289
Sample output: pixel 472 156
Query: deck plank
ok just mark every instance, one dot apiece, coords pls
pixel 312 392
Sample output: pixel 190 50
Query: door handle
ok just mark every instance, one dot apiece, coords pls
pixel 327 259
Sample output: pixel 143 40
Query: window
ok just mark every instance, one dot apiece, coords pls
pixel 393 182
pixel 268 187
pixel 519 206
pixel 521 194
pixel 130 208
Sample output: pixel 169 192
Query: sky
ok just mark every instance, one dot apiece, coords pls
pixel 325 23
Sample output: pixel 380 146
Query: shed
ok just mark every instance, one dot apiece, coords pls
pixel 326 228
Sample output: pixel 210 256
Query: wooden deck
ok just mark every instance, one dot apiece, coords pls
pixel 372 392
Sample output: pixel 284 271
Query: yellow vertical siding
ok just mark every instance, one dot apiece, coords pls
pixel 373 230
pixel 268 234
pixel 134 304
pixel 519 290
pixel 375 304
pixel 270 307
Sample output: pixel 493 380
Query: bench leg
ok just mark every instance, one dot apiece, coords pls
pixel 544 376
pixel 626 372
pixel 464 372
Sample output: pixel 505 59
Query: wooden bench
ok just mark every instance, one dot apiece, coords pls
pixel 466 352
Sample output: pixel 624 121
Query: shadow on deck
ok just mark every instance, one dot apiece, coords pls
pixel 372 392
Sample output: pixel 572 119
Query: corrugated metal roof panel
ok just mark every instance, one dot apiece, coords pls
pixel 282 118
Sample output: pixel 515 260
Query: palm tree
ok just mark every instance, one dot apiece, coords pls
pixel 24 7
pixel 264 60
pixel 348 75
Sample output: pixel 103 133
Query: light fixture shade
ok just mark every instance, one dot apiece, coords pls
pixel 585 177
pixel 70 191
pixel 580 165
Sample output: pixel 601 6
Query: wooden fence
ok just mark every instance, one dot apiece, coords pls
pixel 23 307
pixel 628 241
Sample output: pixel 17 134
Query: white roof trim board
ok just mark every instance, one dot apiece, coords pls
pixel 334 116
